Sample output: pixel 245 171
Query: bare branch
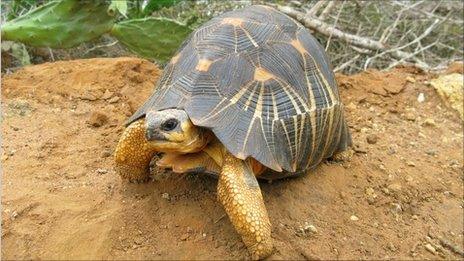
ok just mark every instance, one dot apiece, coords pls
pixel 313 11
pixel 346 64
pixel 334 25
pixel 416 40
pixel 326 10
pixel 362 42
pixel 424 66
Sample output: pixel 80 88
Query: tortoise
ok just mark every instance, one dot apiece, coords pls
pixel 249 95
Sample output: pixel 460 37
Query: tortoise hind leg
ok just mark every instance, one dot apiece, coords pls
pixel 133 153
pixel 239 193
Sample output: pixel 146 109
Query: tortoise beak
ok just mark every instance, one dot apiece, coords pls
pixel 152 134
pixel 152 127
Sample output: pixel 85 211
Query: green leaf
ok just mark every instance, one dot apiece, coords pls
pixel 119 6
pixel 60 24
pixel 154 5
pixel 152 38
pixel 18 6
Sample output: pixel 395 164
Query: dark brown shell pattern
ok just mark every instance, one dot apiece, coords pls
pixel 263 84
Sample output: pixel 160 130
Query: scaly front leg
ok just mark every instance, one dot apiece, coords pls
pixel 239 192
pixel 133 153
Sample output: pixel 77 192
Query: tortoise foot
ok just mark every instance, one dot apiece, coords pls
pixel 132 175
pixel 133 154
pixel 261 249
pixel 343 156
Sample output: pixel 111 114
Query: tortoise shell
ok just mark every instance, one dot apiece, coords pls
pixel 264 86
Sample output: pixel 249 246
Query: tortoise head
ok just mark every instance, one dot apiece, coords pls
pixel 171 130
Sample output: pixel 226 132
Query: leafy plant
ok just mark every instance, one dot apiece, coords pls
pixel 68 23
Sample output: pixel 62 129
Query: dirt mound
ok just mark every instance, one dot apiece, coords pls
pixel 396 198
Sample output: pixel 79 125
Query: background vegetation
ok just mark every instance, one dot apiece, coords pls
pixel 428 34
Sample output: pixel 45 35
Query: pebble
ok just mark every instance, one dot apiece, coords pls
pixel 310 228
pixel 430 248
pixel 102 171
pixel 421 97
pixel 410 117
pixel 411 164
pixel 165 196
pixel 107 95
pixel 98 119
pixel 396 208
pixel 392 247
pixel 184 236
pixel 395 187
pixel 360 148
pixel 354 218
pixel 431 152
pixel 106 154
pixel 351 106
pixel 114 99
pixel 88 96
pixel 410 79
pixel 429 123
pixel 372 139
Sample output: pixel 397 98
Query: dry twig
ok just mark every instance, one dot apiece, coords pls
pixel 355 40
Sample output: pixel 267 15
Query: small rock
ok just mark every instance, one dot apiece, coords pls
pixel 114 99
pixel 351 106
pixel 430 248
pixel 421 97
pixel 138 240
pixel 391 150
pixel 360 148
pixel 411 164
pixel 372 139
pixel 88 96
pixel 410 79
pixel 102 171
pixel 184 236
pixel 429 123
pixel 165 196
pixel 98 119
pixel 431 152
pixel 410 116
pixel 310 228
pixel 107 95
pixel 414 217
pixel 396 208
pixel 106 154
pixel 354 218
pixel 395 187
pixel 391 247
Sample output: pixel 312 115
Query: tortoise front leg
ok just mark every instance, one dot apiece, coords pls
pixel 239 193
pixel 133 153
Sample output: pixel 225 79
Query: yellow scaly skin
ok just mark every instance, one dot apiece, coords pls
pixel 239 193
pixel 133 153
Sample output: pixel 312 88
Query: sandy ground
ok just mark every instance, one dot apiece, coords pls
pixel 399 197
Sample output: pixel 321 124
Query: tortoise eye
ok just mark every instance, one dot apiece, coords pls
pixel 169 125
